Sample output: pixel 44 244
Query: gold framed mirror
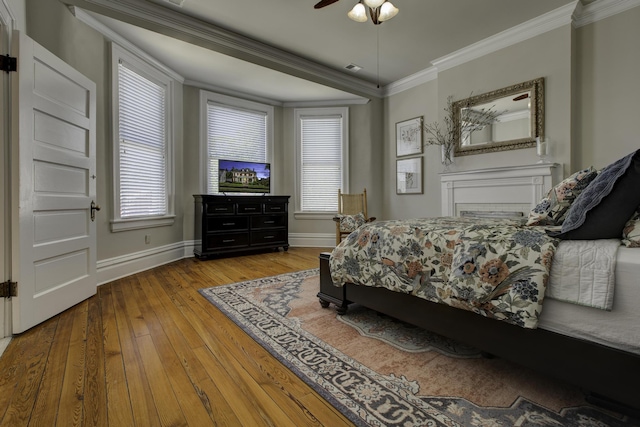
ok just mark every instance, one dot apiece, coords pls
pixel 512 118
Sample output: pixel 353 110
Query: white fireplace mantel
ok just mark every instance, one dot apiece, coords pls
pixel 506 186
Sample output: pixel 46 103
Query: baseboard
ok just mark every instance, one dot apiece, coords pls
pixel 115 268
pixel 312 240
pixel 118 267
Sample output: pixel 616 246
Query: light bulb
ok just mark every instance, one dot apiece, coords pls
pixel 387 11
pixel 373 3
pixel 358 13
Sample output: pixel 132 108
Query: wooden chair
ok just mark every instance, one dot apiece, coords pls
pixel 350 205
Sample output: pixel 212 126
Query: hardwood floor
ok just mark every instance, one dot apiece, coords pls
pixel 148 350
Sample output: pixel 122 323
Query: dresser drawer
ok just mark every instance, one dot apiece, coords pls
pixel 274 207
pixel 229 223
pixel 249 208
pixel 268 221
pixel 219 209
pixel 227 240
pixel 268 237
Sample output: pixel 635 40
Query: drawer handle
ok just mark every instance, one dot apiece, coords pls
pixel 274 208
pixel 249 209
pixel 221 209
pixel 228 223
pixel 269 222
pixel 269 237
pixel 228 240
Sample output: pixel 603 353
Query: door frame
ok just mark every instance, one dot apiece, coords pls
pixel 8 23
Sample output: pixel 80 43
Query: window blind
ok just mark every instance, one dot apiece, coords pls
pixel 233 134
pixel 321 140
pixel 142 135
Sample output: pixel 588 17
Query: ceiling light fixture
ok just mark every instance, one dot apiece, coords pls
pixel 379 10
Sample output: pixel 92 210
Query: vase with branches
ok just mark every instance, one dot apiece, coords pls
pixel 446 134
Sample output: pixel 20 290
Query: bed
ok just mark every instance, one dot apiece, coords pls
pixel 592 341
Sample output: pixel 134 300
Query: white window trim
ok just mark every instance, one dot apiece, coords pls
pixel 205 98
pixel 151 72
pixel 299 113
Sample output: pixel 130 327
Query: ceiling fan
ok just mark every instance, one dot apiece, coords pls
pixel 380 10
pixel 323 3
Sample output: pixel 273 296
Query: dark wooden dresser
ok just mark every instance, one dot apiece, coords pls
pixel 228 224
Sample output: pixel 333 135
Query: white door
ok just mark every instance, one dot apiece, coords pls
pixel 53 133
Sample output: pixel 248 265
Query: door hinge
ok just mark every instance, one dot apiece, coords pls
pixel 8 289
pixel 8 63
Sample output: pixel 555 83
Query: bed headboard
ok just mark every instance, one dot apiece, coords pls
pixel 505 189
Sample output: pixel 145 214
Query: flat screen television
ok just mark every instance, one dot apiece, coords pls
pixel 235 176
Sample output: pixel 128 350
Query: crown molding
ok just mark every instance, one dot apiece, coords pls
pixel 411 81
pixel 124 43
pixel 601 9
pixel 327 103
pixel 532 28
pixel 229 43
pixel 233 93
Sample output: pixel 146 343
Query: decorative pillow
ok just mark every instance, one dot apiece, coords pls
pixel 349 223
pixel 604 207
pixel 553 209
pixel 631 231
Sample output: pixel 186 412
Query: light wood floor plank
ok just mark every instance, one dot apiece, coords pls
pixel 119 408
pixel 49 393
pixel 95 390
pixel 70 412
pixel 144 410
pixel 29 371
pixel 149 350
pixel 168 360
pixel 165 400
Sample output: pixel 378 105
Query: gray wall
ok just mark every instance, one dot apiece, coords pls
pixel 591 88
pixel 53 26
pixel 607 89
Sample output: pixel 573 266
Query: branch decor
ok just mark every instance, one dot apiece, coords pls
pixel 446 134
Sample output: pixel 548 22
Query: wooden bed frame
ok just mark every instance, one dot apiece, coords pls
pixel 610 377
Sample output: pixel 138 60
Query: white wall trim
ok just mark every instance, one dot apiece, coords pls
pixel 125 265
pixel 525 184
pixel 326 103
pixel 312 240
pixel 121 266
pixel 8 18
pixel 233 93
pixel 601 9
pixel 236 94
pixel 411 81
pixel 117 38
pixel 532 28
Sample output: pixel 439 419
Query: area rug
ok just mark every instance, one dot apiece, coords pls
pixel 379 371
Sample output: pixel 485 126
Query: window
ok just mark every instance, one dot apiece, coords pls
pixel 142 132
pixel 322 147
pixel 234 129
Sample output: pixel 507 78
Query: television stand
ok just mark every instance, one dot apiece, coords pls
pixel 229 224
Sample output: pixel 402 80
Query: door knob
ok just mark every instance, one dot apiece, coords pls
pixel 94 208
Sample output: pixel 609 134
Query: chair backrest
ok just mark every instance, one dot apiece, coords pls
pixel 351 204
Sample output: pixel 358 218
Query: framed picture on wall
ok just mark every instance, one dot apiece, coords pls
pixel 409 137
pixel 409 176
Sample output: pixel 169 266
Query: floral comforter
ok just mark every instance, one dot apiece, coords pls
pixel 496 268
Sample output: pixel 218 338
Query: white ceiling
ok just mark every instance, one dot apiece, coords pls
pixel 301 38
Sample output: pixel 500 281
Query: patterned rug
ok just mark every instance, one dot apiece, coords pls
pixel 379 371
